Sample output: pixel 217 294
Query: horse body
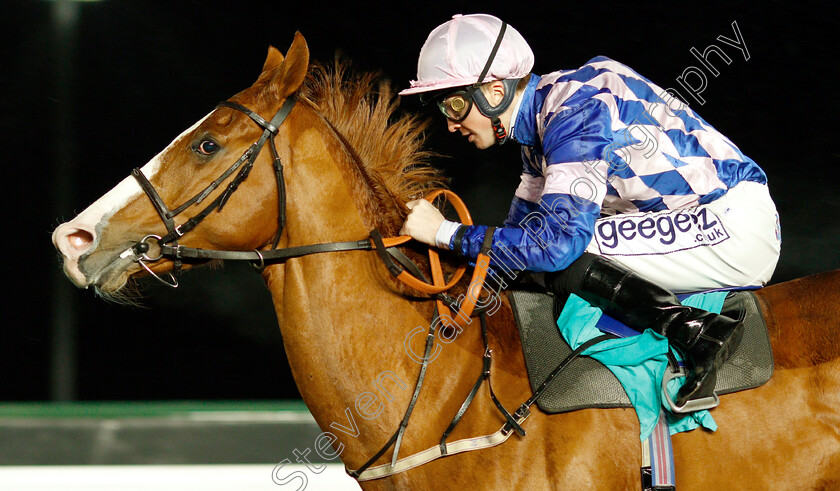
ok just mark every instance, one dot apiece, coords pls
pixel 349 328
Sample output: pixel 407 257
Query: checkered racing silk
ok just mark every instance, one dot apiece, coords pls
pixel 604 140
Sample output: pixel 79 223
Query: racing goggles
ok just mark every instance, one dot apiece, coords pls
pixel 455 105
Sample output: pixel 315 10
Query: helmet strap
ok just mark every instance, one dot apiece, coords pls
pixel 493 112
pixel 499 130
pixel 483 104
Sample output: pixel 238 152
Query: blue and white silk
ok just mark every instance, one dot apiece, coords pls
pixel 603 140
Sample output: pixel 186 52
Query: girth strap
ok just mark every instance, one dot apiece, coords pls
pixel 524 409
pixel 396 438
pixel 432 453
pixel 485 375
pixel 366 472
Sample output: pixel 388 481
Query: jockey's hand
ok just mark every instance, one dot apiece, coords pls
pixel 422 222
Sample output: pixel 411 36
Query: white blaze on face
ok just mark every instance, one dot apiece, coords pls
pixel 79 235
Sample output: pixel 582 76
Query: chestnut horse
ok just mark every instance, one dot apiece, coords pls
pixel 349 166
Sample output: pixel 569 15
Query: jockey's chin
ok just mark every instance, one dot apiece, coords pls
pixel 482 142
pixel 476 128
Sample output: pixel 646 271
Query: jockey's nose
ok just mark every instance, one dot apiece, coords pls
pixel 452 126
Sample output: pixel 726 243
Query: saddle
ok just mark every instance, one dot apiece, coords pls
pixel 586 383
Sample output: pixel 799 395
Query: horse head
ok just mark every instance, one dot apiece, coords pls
pixel 99 246
pixel 333 150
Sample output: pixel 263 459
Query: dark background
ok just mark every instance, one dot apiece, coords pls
pixel 90 90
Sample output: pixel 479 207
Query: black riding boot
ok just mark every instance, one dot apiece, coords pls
pixel 704 338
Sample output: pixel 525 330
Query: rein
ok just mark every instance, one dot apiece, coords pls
pixel 395 261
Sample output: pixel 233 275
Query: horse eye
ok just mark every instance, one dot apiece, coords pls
pixel 207 147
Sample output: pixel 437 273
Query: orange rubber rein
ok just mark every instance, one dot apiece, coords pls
pixel 438 284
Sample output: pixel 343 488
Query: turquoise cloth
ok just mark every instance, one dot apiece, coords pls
pixel 638 362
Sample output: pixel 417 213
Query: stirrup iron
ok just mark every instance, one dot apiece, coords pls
pixel 691 405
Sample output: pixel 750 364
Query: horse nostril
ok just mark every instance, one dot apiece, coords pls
pixel 80 240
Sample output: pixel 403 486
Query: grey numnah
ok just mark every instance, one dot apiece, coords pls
pixel 586 383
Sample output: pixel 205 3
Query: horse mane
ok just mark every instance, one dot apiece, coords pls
pixel 361 107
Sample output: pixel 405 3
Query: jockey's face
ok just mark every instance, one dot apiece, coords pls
pixel 476 127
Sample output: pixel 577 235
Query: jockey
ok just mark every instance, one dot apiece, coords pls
pixel 626 195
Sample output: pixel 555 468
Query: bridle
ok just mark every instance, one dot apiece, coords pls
pixel 168 244
pixel 397 263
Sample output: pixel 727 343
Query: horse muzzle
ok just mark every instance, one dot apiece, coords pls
pixel 85 263
pixel 73 241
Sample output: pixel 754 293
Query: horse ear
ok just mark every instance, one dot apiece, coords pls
pixel 288 78
pixel 272 61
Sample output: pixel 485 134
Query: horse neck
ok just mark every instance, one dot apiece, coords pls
pixel 343 323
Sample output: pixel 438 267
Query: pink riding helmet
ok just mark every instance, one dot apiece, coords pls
pixel 456 52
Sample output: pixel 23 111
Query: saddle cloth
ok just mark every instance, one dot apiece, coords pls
pixel 586 383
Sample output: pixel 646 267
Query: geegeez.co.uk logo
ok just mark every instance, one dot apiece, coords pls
pixel 659 233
